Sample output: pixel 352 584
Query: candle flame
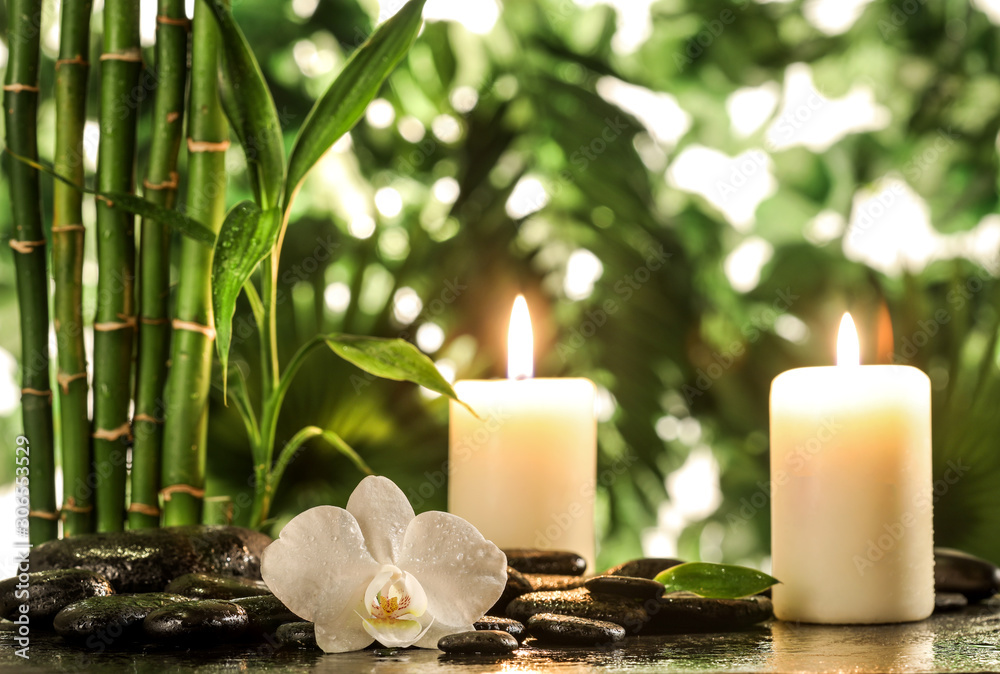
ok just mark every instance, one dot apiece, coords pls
pixel 848 346
pixel 520 351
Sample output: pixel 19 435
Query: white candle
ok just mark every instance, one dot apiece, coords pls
pixel 525 472
pixel 851 528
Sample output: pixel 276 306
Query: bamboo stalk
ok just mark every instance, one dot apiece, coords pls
pixel 191 352
pixel 20 110
pixel 67 265
pixel 154 263
pixel 114 329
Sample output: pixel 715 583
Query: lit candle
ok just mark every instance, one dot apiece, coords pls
pixel 851 530
pixel 525 472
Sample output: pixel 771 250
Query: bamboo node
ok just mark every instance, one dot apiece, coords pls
pixel 153 321
pixel 109 326
pixel 146 417
pixel 165 185
pixel 166 492
pixel 194 327
pixel 173 117
pixel 144 509
pixel 68 228
pixel 65 380
pixel 133 55
pixel 207 146
pixel 18 88
pixel 78 61
pixel 114 433
pixel 26 247
pixel 171 21
pixel 42 393
pixel 43 514
pixel 71 506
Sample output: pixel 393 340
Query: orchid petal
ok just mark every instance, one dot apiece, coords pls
pixel 383 513
pixel 394 633
pixel 319 564
pixel 342 631
pixel 462 573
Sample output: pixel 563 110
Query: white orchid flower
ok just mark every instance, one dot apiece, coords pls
pixel 376 572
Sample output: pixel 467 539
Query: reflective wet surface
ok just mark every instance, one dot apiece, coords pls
pixel 966 641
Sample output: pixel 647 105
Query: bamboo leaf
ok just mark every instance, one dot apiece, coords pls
pixel 394 359
pixel 716 581
pixel 345 101
pixel 247 235
pixel 250 108
pixel 176 220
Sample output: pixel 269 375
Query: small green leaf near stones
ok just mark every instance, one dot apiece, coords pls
pixel 715 581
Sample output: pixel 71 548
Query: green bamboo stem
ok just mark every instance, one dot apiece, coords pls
pixel 154 264
pixel 67 265
pixel 188 380
pixel 114 329
pixel 28 244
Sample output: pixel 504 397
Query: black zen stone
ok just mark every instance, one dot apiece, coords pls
pixel 496 623
pixel 300 634
pixel 626 586
pixel 207 586
pixel 145 560
pixel 205 621
pixel 100 623
pixel 517 584
pixel 546 561
pixel 956 571
pixel 565 630
pixel 647 567
pixel 549 582
pixel 484 642
pixel 680 613
pixel 266 613
pixel 47 592
pixel 945 602
pixel 581 603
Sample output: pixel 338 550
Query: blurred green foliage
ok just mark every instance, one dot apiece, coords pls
pixel 668 343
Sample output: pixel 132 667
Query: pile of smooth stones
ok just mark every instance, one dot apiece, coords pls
pixel 200 586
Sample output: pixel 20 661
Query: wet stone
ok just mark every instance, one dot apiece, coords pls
pixel 496 623
pixel 581 603
pixel 647 567
pixel 555 562
pixel 207 586
pixel 949 601
pixel 48 592
pixel 626 586
pixel 483 642
pixel 145 560
pixel 266 613
pixel 107 622
pixel 548 582
pixel 565 630
pixel 683 613
pixel 517 584
pixel 956 571
pixel 199 622
pixel 300 634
